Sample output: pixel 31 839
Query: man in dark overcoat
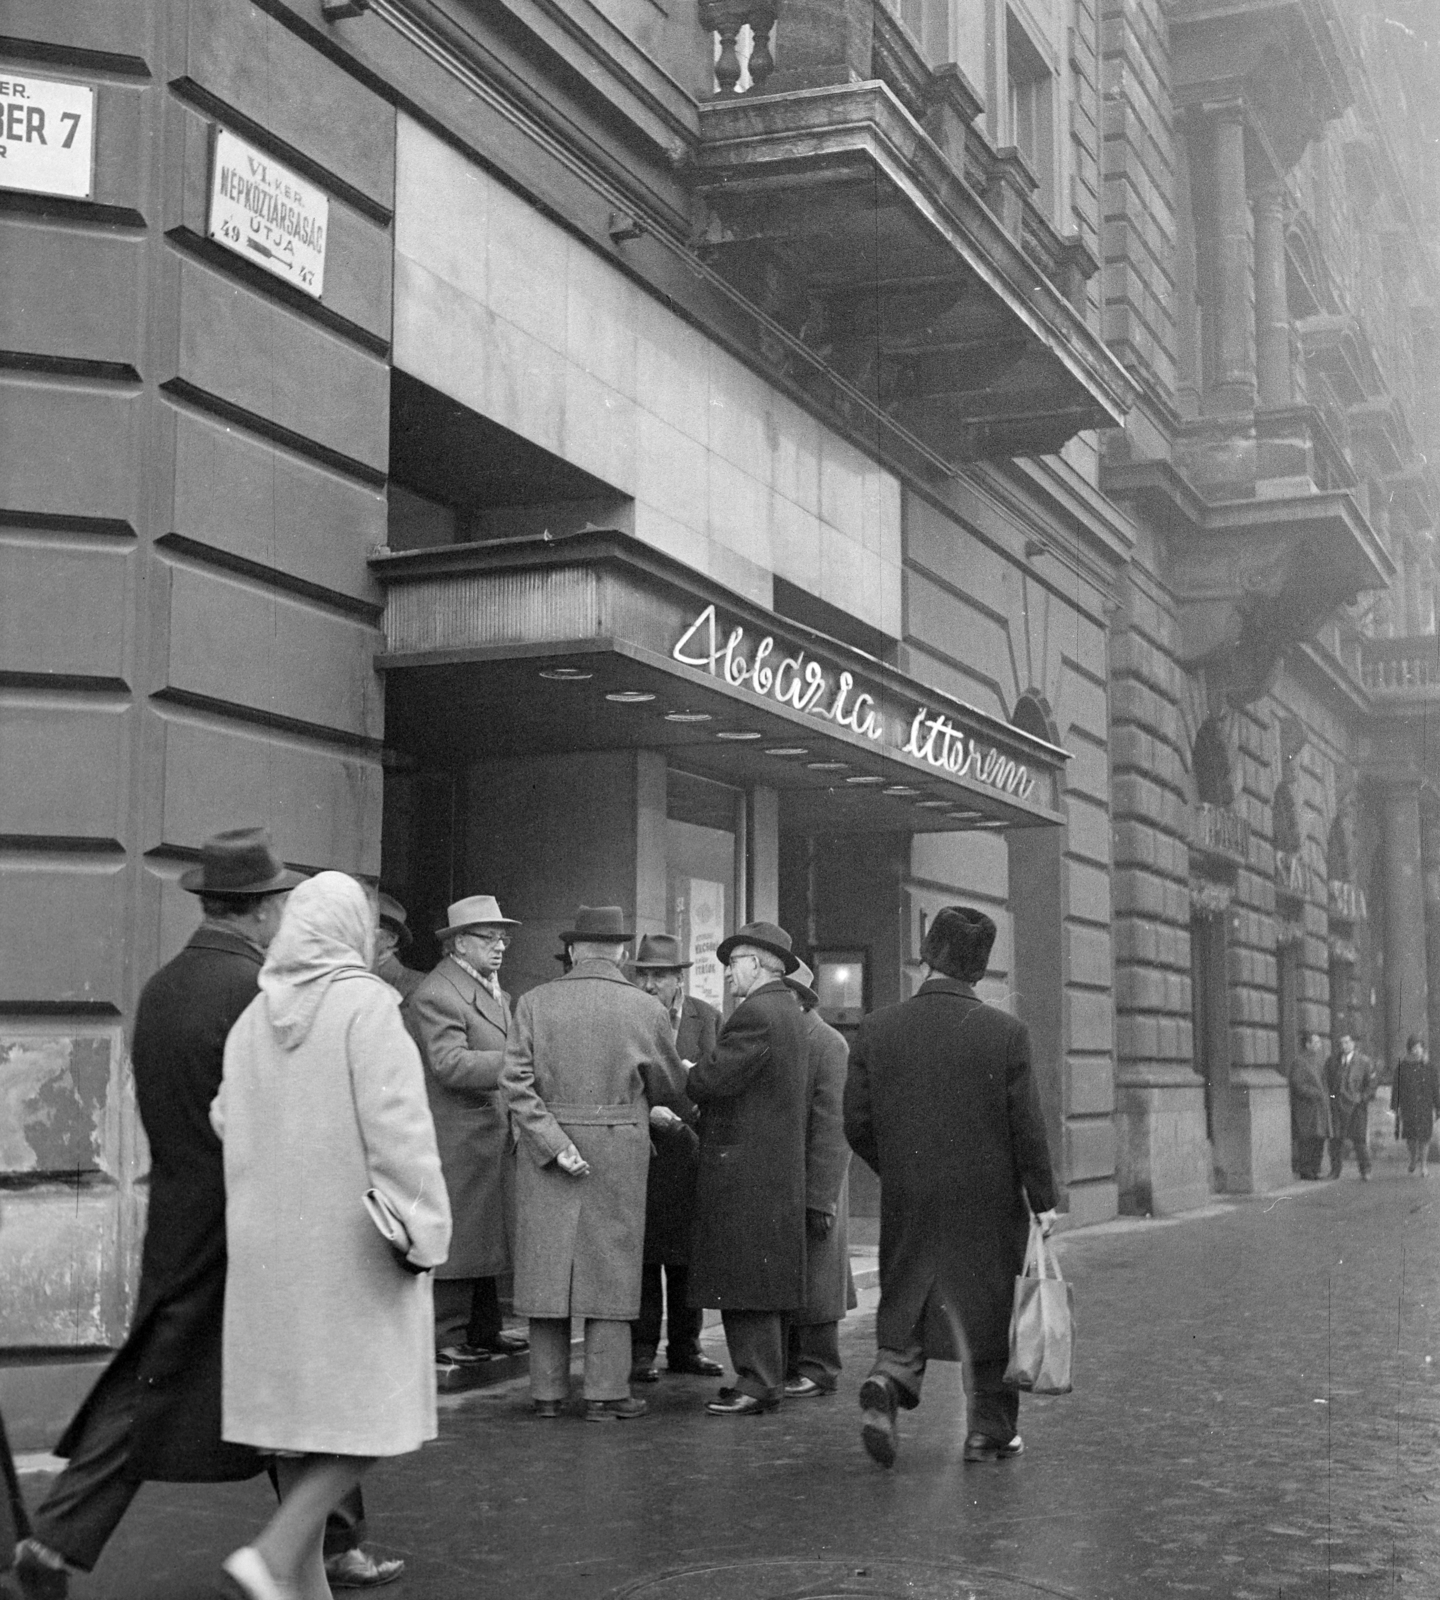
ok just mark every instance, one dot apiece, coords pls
pixel 1351 1078
pixel 155 1413
pixel 670 1192
pixel 392 939
pixel 941 1102
pixel 748 1254
pixel 1309 1106
pixel 812 1341
pixel 459 1016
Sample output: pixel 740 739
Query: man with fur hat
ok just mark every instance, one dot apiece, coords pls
pixel 670 1193
pixel 459 1016
pixel 588 1055
pixel 154 1414
pixel 941 1102
pixel 748 1255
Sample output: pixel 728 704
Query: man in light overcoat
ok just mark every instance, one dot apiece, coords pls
pixel 941 1102
pixel 812 1344
pixel 587 1057
pixel 459 1016
pixel 748 1256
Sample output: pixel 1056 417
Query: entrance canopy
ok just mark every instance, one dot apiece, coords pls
pixel 596 642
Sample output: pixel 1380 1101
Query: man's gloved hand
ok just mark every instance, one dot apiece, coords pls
pixel 818 1224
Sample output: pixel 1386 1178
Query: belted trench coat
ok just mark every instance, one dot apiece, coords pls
pixel 587 1056
pixel 460 1028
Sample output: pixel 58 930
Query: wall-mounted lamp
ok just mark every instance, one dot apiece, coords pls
pixel 339 10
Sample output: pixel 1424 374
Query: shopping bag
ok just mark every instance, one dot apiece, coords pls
pixel 1042 1322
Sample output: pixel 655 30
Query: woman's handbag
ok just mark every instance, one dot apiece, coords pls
pixel 1042 1331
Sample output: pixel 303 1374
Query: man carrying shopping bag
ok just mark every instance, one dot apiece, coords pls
pixel 941 1102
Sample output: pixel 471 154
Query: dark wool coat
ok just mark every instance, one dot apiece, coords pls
pixel 14 1524
pixel 402 979
pixel 1309 1098
pixel 941 1102
pixel 829 1288
pixel 675 1152
pixel 587 1057
pixel 748 1252
pixel 1351 1083
pixel 185 1012
pixel 1415 1098
pixel 460 1028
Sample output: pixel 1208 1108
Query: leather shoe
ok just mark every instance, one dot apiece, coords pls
pixel 696 1366
pixel 981 1447
pixel 358 1569
pixel 508 1344
pixel 640 1374
pixel 463 1355
pixel 804 1389
pixel 615 1410
pixel 877 1423
pixel 739 1405
pixel 545 1408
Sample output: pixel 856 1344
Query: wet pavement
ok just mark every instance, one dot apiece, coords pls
pixel 1256 1415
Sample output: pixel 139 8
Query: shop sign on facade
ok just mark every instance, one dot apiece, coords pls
pixel 1291 875
pixel 265 213
pixel 1219 831
pixel 1347 903
pixel 800 681
pixel 47 136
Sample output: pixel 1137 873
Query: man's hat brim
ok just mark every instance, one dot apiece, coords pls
pixel 661 966
pixel 608 936
pixel 796 987
pixel 192 880
pixel 722 952
pixel 489 922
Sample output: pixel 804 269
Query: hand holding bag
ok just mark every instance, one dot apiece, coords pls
pixel 1042 1332
pixel 392 1229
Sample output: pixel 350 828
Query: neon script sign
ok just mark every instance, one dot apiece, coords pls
pixel 793 680
pixel 805 684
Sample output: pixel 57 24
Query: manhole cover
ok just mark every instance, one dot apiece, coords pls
pixel 831 1580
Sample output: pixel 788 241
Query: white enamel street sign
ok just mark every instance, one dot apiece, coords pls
pixel 47 136
pixel 263 212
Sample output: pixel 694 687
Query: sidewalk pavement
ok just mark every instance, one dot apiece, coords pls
pixel 1256 1416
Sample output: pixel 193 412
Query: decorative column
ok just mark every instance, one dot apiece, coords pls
pixel 1230 341
pixel 1272 302
pixel 1406 989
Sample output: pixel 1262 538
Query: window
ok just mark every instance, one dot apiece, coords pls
pixel 1030 89
pixel 928 23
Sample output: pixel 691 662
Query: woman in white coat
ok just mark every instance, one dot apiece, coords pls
pixel 327 1358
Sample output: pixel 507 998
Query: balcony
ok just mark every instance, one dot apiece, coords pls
pixel 853 198
pixel 1401 672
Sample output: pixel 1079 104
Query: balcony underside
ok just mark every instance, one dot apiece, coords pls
pixel 839 216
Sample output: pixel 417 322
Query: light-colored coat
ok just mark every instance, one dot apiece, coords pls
pixel 328 1340
pixel 460 1028
pixel 587 1056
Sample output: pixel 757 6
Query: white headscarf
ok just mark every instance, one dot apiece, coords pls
pixel 327 932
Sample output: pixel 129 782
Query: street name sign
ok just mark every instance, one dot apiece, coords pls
pixel 265 213
pixel 47 136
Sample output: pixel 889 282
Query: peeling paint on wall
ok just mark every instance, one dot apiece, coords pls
pixel 53 1098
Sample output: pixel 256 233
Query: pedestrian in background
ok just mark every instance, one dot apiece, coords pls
pixel 941 1103
pixel 392 939
pixel 1415 1099
pixel 748 1257
pixel 1309 1106
pixel 670 1190
pixel 812 1338
pixel 1351 1080
pixel 459 1016
pixel 327 1326
pixel 587 1057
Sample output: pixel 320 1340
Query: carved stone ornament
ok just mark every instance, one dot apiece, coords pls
pixel 1210 899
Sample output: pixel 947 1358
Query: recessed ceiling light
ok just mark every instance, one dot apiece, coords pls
pixel 994 822
pixel 865 780
pixel 565 674
pixel 688 716
pixel 899 788
pixel 736 734
pixel 629 697
pixel 786 750
pixel 965 816
pixel 933 805
pixel 827 766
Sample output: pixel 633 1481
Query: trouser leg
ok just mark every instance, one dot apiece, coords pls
pixel 756 1340
pixel 453 1300
pixel 905 1368
pixel 683 1321
pixel 813 1351
pixel 486 1323
pixel 549 1358
pixel 1337 1154
pixel 1312 1150
pixel 645 1330
pixel 994 1409
pixel 345 1526
pixel 1360 1136
pixel 607 1359
pixel 92 1493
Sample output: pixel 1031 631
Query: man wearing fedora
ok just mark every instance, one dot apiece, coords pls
pixel 588 1055
pixel 459 1016
pixel 812 1340
pixel 392 939
pixel 670 1194
pixel 748 1254
pixel 941 1101
pixel 155 1412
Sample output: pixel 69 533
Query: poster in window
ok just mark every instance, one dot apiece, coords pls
pixel 707 929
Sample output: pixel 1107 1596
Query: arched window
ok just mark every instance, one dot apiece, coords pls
pixel 1032 716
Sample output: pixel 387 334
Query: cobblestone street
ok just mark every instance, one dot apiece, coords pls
pixel 1256 1415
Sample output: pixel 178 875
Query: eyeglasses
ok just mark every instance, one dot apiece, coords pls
pixel 501 939
pixel 744 955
